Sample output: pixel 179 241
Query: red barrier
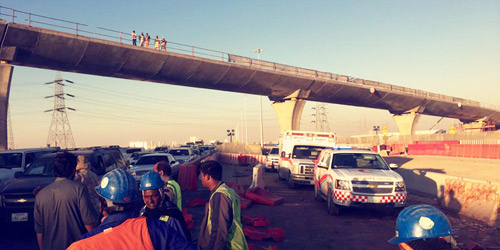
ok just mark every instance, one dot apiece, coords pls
pixel 242 159
pixel 264 197
pixel 245 203
pixel 188 218
pixel 187 177
pixel 277 234
pixel 238 188
pixel 196 202
pixel 256 221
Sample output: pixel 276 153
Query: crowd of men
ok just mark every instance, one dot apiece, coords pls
pixel 65 217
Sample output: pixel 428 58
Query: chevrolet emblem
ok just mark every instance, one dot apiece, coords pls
pixel 372 186
pixel 22 200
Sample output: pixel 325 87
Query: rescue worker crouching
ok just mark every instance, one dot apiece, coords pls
pixel 423 227
pixel 221 227
pixel 172 188
pixel 157 206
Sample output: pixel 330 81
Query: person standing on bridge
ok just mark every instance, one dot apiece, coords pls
pixel 141 40
pixel 147 39
pixel 157 43
pixel 163 44
pixel 221 227
pixel 423 226
pixel 134 38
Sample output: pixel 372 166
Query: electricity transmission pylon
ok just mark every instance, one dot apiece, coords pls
pixel 60 131
pixel 321 120
pixel 10 135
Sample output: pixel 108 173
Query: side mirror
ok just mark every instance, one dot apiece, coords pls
pixel 18 174
pixel 172 162
pixel 393 166
pixel 322 165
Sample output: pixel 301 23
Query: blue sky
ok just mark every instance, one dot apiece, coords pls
pixel 446 47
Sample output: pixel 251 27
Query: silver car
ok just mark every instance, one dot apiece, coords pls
pixel 272 159
pixel 182 155
pixel 148 161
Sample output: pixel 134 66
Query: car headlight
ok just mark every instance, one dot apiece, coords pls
pixel 342 184
pixel 400 186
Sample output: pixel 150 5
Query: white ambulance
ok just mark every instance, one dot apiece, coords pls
pixel 357 178
pixel 298 153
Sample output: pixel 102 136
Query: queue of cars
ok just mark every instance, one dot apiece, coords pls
pixel 24 170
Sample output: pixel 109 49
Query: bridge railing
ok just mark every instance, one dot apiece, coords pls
pixel 79 29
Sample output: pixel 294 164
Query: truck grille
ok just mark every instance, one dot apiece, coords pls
pixel 372 187
pixel 19 200
pixel 307 169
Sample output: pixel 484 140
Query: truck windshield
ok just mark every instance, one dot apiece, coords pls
pixel 306 152
pixel 274 151
pixel 42 166
pixel 11 160
pixel 359 160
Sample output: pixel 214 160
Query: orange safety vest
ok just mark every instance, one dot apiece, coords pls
pixel 131 234
pixel 134 36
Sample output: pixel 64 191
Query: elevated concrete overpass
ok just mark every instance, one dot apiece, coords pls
pixel 288 86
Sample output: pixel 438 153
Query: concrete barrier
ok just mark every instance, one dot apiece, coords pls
pixel 474 198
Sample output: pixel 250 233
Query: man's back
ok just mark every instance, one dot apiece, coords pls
pixel 62 209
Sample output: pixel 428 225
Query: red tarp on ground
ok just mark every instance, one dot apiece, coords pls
pixel 264 197
pixel 277 234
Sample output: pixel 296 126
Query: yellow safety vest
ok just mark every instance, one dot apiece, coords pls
pixel 177 191
pixel 235 238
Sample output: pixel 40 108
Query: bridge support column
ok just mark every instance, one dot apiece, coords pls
pixel 407 121
pixel 5 77
pixel 289 110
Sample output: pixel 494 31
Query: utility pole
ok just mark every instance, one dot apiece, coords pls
pixel 60 134
pixel 258 51
pixel 321 120
pixel 10 135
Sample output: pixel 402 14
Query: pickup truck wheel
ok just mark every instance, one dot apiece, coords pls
pixel 331 208
pixel 316 193
pixel 291 185
pixel 279 175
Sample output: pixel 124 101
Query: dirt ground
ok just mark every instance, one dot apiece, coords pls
pixel 308 226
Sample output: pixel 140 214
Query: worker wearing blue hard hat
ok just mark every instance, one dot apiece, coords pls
pixel 119 229
pixel 422 227
pixel 118 192
pixel 160 207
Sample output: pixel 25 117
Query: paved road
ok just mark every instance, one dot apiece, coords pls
pixel 306 222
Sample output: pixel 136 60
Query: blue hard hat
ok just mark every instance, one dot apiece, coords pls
pixel 118 186
pixel 151 180
pixel 421 222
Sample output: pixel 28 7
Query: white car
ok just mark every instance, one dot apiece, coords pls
pixel 357 178
pixel 272 159
pixel 182 154
pixel 148 161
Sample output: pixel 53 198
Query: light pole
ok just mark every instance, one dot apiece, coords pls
pixel 258 51
pixel 230 133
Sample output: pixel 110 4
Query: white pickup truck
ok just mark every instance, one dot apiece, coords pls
pixel 357 178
